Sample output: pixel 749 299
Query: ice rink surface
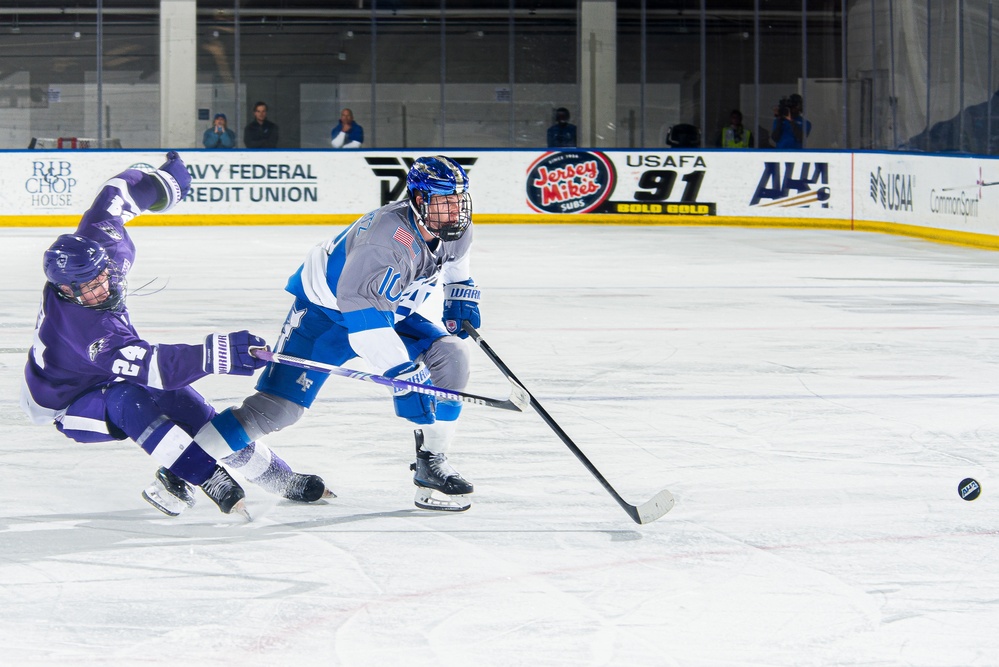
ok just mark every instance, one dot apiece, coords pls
pixel 811 398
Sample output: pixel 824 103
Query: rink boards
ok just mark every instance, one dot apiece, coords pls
pixel 936 197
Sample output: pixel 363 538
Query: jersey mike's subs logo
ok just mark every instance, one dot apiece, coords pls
pixel 569 182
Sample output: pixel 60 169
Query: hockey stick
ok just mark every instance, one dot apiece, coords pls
pixel 647 512
pixel 517 401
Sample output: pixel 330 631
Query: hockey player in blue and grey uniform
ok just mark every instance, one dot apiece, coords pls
pixel 357 295
pixel 90 373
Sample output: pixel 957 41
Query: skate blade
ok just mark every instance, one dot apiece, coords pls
pixel 188 500
pixel 157 496
pixel 429 499
pixel 240 509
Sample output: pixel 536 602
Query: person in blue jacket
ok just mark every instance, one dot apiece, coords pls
pixel 563 133
pixel 790 127
pixel 219 135
pixel 347 133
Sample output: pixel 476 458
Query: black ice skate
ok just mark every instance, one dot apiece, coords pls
pixel 439 486
pixel 169 493
pixel 226 492
pixel 306 488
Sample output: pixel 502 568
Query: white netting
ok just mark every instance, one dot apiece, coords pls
pixel 51 143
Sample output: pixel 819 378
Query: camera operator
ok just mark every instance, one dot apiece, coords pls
pixel 790 128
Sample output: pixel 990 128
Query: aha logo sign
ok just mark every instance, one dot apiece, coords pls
pixel 796 186
pixel 569 182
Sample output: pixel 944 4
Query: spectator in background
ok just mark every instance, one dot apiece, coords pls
pixel 563 133
pixel 347 133
pixel 734 135
pixel 218 135
pixel 260 133
pixel 683 135
pixel 790 128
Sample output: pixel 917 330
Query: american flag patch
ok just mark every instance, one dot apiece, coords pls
pixel 405 238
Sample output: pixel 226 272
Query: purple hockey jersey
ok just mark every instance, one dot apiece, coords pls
pixel 76 348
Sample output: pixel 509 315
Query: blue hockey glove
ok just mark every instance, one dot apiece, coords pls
pixel 417 408
pixel 174 182
pixel 229 354
pixel 461 303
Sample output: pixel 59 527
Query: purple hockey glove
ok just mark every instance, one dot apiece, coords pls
pixel 229 354
pixel 174 182
pixel 176 168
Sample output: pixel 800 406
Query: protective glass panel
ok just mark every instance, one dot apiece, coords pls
pixel 54 85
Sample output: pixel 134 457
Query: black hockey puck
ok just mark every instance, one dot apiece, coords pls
pixel 969 489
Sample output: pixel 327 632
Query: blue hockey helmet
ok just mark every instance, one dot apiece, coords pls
pixel 445 207
pixel 77 264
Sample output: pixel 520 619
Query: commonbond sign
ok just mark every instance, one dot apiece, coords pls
pixel 945 192
pixel 953 193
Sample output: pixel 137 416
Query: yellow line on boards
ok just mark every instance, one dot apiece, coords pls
pixel 971 239
pixel 166 220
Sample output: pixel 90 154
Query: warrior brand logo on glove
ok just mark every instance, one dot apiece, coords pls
pixel 230 354
pixel 222 354
pixel 421 375
pixel 464 293
pixel 217 354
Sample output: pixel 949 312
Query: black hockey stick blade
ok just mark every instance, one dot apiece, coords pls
pixel 647 512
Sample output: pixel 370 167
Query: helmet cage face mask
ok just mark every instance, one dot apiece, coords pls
pixel 446 216
pixel 445 206
pixel 83 268
pixel 105 292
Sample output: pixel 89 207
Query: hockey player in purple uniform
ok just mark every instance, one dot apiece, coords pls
pixel 357 295
pixel 90 373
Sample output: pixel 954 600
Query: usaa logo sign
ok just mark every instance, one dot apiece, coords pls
pixel 793 185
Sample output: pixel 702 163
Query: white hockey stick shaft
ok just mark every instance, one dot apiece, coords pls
pixel 647 512
pixel 517 402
